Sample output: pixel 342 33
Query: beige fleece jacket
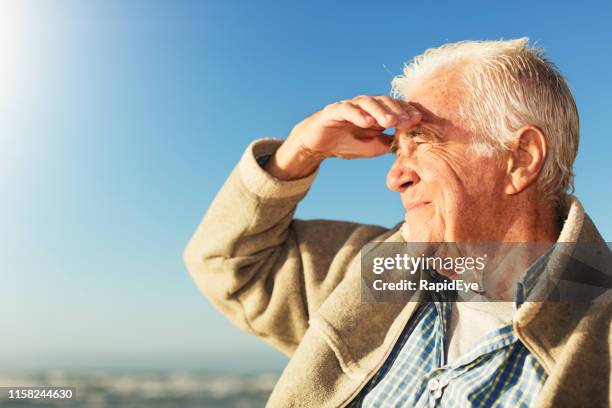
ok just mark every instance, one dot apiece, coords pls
pixel 296 285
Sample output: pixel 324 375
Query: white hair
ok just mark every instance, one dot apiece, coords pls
pixel 508 84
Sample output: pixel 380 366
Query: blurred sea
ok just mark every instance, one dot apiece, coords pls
pixel 147 389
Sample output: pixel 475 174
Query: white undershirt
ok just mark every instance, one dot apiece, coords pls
pixel 472 320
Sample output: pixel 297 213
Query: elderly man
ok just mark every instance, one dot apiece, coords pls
pixel 486 135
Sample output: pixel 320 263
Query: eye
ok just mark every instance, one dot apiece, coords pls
pixel 419 138
pixel 414 138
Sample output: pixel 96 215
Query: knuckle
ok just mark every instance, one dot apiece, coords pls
pixel 346 106
pixel 406 105
pixel 331 106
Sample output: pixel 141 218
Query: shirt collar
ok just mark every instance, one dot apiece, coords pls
pixel 530 279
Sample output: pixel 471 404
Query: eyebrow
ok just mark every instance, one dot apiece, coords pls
pixel 427 131
pixel 430 129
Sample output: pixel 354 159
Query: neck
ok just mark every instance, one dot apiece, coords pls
pixel 531 222
pixel 530 230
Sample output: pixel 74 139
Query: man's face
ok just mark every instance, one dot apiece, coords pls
pixel 449 193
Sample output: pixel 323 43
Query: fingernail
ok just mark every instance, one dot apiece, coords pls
pixel 404 117
pixel 414 114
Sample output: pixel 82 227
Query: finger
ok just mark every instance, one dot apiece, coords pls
pixel 348 112
pixel 386 140
pixel 414 114
pixel 405 113
pixel 374 146
pixel 384 117
pixel 371 132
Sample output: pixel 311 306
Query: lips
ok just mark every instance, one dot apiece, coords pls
pixel 416 205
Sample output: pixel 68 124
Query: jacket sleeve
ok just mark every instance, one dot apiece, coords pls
pixel 260 267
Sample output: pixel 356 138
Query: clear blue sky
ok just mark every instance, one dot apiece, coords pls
pixel 120 120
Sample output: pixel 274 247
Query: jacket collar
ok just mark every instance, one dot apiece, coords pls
pixel 558 306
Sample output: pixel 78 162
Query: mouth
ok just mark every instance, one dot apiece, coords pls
pixel 417 205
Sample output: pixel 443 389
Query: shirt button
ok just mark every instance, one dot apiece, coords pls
pixel 433 384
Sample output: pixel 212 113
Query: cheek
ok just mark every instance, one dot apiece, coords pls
pixel 443 173
pixel 459 172
pixel 485 179
pixel 451 184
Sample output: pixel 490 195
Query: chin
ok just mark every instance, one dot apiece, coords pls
pixel 416 231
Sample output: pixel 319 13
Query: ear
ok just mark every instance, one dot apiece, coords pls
pixel 526 159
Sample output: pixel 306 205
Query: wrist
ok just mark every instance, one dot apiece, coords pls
pixel 292 162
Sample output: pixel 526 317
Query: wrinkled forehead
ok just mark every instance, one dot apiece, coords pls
pixel 439 100
pixel 438 96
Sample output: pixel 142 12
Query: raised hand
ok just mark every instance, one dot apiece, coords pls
pixel 347 129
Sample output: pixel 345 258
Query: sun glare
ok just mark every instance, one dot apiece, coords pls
pixel 13 30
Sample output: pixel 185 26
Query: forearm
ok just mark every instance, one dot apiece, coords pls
pixel 251 212
pixel 291 162
pixel 243 242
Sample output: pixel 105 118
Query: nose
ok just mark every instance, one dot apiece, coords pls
pixel 401 176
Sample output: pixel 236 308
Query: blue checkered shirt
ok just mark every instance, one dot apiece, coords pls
pixel 498 371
